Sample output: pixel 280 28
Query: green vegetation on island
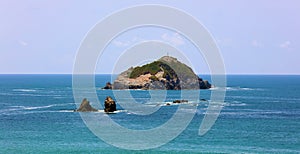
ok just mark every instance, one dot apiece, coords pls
pixel 165 73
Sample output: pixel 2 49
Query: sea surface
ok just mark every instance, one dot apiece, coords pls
pixel 261 114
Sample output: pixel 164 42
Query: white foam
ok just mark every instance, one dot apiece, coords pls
pixel 101 111
pixel 38 107
pixel 233 88
pixel 25 90
pixel 66 111
pixel 157 103
pixel 236 104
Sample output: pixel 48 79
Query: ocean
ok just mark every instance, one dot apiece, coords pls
pixel 261 114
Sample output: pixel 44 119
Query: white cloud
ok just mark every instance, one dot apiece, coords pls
pixel 225 42
pixel 23 43
pixel 119 43
pixel 285 45
pixel 175 39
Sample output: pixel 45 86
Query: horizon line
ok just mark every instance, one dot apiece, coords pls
pixel 120 73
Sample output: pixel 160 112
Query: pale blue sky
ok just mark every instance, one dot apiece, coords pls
pixel 254 36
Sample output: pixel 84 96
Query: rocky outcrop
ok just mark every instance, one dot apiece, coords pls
pixel 85 107
pixel 167 73
pixel 109 105
pixel 108 85
pixel 180 101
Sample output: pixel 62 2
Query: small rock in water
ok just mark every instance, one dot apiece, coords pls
pixel 108 85
pixel 110 105
pixel 180 101
pixel 86 107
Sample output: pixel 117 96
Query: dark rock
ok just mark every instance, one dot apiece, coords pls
pixel 168 104
pixel 180 101
pixel 204 84
pixel 85 107
pixel 109 104
pixel 108 85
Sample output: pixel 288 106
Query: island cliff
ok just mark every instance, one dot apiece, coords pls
pixel 166 73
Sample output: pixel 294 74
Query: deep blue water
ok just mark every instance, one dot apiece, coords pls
pixel 261 114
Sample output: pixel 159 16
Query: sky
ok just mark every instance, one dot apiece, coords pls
pixel 253 36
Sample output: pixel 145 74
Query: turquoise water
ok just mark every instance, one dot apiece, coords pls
pixel 261 114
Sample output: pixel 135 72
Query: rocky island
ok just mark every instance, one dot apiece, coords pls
pixel 167 73
pixel 109 105
pixel 86 107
